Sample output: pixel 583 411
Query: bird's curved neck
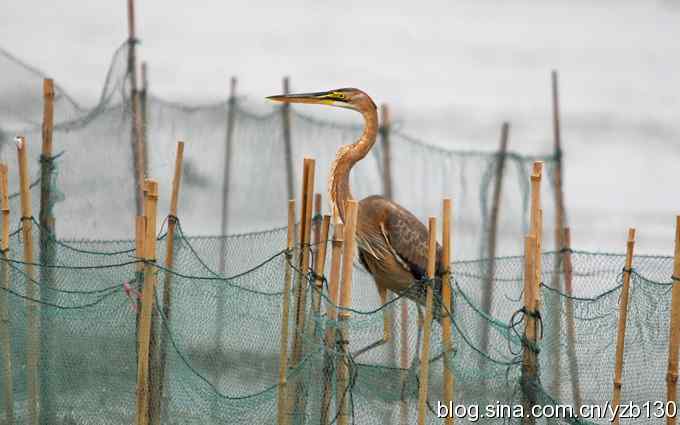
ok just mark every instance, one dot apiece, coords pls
pixel 346 157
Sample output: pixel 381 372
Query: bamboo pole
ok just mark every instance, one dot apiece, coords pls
pixel 387 151
pixel 5 336
pixel 536 224
pixel 227 168
pixel 674 338
pixel 140 234
pixel 389 325
pixel 221 265
pixel 529 356
pixel 448 307
pixel 138 159
pixel 427 325
pixel 343 385
pixel 47 252
pixel 300 289
pixel 150 209
pixel 285 313
pixel 331 311
pixel 32 291
pixel 144 119
pixel 487 290
pixel 560 223
pixel 159 391
pixel 621 334
pixel 571 326
pixel 319 269
pixel 288 148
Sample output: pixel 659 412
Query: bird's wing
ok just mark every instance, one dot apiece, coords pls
pixel 408 238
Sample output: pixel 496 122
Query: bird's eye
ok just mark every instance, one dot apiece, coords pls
pixel 339 96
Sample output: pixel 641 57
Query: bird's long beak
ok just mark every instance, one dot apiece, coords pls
pixel 324 98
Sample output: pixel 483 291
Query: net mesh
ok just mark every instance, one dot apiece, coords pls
pixel 69 324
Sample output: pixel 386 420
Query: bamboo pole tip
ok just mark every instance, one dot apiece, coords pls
pixel 308 161
pixel 232 86
pixel 151 186
pixel 286 84
pixel 48 87
pixel 431 221
pixel 3 168
pixel 631 234
pixel 537 169
pixel 447 202
pixel 553 74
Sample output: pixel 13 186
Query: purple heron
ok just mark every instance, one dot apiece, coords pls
pixel 391 241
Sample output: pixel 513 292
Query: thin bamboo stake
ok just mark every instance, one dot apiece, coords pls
pixel 288 149
pixel 389 325
pixel 487 290
pixel 571 326
pixel 32 291
pixel 530 357
pixel 300 293
pixel 403 359
pixel 621 334
pixel 47 252
pixel 227 167
pixel 137 149
pixel 331 311
pixel 536 223
pixel 448 307
pixel 319 269
pixel 140 235
pixel 160 397
pixel 221 265
pixel 560 223
pixel 144 119
pixel 150 209
pixel 344 386
pixel 285 313
pixel 427 325
pixel 5 336
pixel 674 339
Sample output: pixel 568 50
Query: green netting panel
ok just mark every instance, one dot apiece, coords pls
pixel 95 169
pixel 221 336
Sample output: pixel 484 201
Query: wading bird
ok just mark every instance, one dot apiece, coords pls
pixel 391 241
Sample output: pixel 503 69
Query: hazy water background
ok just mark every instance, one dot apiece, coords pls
pixel 451 72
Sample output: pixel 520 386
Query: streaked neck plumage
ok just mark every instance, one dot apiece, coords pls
pixel 346 157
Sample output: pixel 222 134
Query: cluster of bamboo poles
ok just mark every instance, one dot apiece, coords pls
pixel 290 399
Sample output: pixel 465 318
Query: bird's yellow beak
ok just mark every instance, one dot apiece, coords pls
pixel 320 98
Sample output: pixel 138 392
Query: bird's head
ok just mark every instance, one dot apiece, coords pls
pixel 348 98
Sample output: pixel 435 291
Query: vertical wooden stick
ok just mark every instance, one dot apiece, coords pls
pixel 387 151
pixel 621 334
pixel 47 252
pixel 300 293
pixel 427 325
pixel 333 295
pixel 150 208
pixel 487 290
pixel 530 357
pixel 674 339
pixel 137 148
pixel 5 336
pixel 285 313
pixel 140 235
pixel 448 306
pixel 343 386
pixel 221 265
pixel 144 119
pixel 226 177
pixel 319 269
pixel 571 326
pixel 536 223
pixel 32 291
pixel 288 149
pixel 159 390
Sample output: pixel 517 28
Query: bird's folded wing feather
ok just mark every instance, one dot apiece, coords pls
pixel 408 238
